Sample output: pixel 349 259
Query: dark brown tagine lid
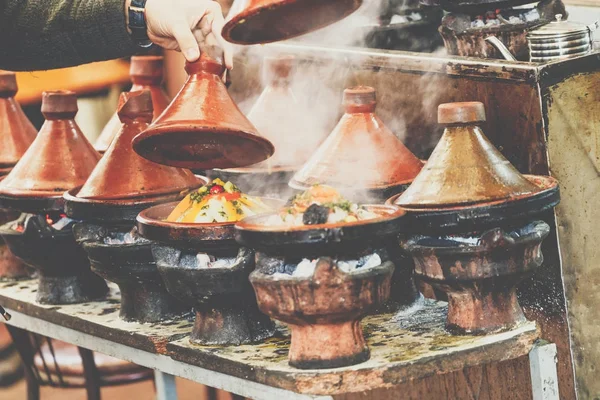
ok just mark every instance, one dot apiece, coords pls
pixel 465 168
pixel 16 132
pixel 60 158
pixel 265 21
pixel 361 152
pixel 203 128
pixel 123 174
pixel 146 74
pixel 279 117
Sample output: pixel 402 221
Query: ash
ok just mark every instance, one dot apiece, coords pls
pixel 130 237
pixel 208 261
pixel 306 268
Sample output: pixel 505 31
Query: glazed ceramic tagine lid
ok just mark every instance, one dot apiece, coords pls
pixel 146 74
pixel 59 159
pixel 266 21
pixel 16 132
pixel 361 154
pixel 467 183
pixel 203 128
pixel 123 183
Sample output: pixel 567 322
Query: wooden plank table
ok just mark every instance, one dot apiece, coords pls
pixel 404 347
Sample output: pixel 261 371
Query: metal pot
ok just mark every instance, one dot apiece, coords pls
pixel 555 41
pixel 560 39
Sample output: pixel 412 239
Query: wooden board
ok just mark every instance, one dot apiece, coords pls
pixel 403 347
pixel 83 79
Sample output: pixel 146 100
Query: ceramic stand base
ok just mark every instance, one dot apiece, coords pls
pixel 331 345
pixel 70 289
pixel 482 307
pixel 230 326
pixel 143 302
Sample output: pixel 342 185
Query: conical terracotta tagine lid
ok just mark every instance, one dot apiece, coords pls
pixel 265 21
pixel 146 74
pixel 16 132
pixel 203 128
pixel 361 152
pixel 123 174
pixel 279 117
pixel 465 168
pixel 60 158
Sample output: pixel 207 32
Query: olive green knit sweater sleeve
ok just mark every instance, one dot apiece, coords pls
pixel 46 34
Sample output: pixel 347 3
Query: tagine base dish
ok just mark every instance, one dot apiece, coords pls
pixel 32 204
pixel 480 216
pixel 404 348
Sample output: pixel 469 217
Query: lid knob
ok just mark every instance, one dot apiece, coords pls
pixel 135 105
pixel 278 69
pixel 360 99
pixel 211 61
pixel 558 17
pixel 8 84
pixel 461 113
pixel 146 69
pixel 59 104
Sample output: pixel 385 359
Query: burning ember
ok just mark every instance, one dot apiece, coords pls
pixel 57 220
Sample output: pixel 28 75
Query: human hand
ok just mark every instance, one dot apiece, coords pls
pixel 186 26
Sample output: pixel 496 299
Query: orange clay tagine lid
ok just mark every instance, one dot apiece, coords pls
pixel 465 168
pixel 146 74
pixel 123 174
pixel 60 158
pixel 16 132
pixel 279 117
pixel 203 128
pixel 266 21
pixel 361 152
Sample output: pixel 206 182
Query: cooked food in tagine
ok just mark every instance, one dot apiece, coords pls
pixel 318 205
pixel 217 202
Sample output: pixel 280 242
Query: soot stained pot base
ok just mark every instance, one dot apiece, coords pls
pixel 323 311
pixel 63 267
pixel 11 267
pixel 130 265
pixel 479 272
pixel 225 306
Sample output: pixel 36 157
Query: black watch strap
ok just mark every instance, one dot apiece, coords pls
pixel 137 23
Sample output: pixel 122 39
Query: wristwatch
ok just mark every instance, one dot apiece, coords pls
pixel 137 23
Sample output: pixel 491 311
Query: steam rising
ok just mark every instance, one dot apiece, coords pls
pixel 318 88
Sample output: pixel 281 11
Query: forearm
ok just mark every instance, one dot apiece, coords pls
pixel 46 34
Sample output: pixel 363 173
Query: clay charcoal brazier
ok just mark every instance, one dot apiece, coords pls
pixel 121 185
pixel 59 159
pixel 474 216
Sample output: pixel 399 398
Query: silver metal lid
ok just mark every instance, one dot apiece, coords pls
pixel 560 28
